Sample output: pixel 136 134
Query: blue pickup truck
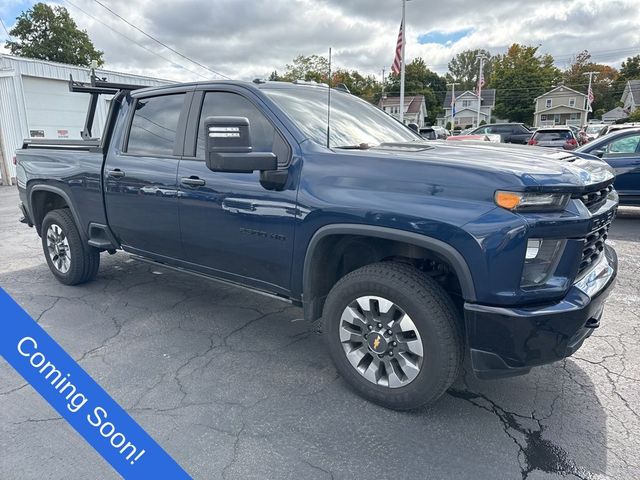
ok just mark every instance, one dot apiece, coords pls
pixel 412 255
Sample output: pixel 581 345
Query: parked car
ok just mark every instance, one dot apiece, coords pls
pixel 509 132
pixel 410 253
pixel 580 134
pixel 593 130
pixel 480 138
pixel 621 150
pixel 556 137
pixel 617 126
pixel 434 133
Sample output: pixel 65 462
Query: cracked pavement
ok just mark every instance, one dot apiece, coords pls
pixel 237 386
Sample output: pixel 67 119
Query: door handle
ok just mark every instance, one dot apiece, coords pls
pixel 192 181
pixel 115 173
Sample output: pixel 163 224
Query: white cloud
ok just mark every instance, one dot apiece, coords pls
pixel 247 39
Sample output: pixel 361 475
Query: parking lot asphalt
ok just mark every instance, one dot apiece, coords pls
pixel 237 386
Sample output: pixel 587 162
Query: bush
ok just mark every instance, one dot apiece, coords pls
pixel 448 126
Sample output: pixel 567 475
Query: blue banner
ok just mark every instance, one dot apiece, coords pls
pixel 79 399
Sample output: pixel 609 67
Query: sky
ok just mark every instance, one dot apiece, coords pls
pixel 251 38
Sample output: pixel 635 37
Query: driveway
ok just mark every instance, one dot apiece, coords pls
pixel 237 386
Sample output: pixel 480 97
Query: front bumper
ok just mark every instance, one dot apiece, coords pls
pixel 510 341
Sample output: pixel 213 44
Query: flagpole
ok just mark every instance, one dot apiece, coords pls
pixel 481 57
pixel 453 102
pixel 586 110
pixel 404 36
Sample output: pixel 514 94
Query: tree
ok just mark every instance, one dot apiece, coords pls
pixel 49 33
pixel 366 87
pixel 308 68
pixel 464 68
pixel 519 76
pixel 630 69
pixel 420 80
pixel 605 85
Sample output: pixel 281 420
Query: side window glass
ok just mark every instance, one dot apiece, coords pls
pixel 154 125
pixel 263 134
pixel 624 145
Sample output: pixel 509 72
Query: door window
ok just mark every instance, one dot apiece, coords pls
pixel 263 134
pixel 154 125
pixel 624 145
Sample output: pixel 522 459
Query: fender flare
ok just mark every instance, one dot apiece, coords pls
pixel 443 249
pixel 65 197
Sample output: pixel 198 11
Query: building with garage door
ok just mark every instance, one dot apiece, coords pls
pixel 35 102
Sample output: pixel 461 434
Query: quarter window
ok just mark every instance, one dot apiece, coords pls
pixel 624 145
pixel 154 125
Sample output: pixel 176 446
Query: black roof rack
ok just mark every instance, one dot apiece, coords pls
pixel 97 87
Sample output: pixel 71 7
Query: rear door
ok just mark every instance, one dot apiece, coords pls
pixel 623 154
pixel 232 226
pixel 140 177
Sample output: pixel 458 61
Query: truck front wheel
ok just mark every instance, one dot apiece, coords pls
pixel 70 259
pixel 394 335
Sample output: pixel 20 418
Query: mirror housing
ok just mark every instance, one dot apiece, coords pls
pixel 228 147
pixel 414 127
pixel 598 152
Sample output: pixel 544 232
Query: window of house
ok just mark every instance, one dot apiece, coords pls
pixel 233 105
pixel 572 102
pixel 548 103
pixel 154 125
pixel 466 103
pixel 543 117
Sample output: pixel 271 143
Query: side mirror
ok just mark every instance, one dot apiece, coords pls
pixel 598 152
pixel 414 127
pixel 229 148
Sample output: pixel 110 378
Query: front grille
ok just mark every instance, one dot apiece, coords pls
pixel 593 246
pixel 594 200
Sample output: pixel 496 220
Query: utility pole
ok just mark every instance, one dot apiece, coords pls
pixel 453 102
pixel 589 96
pixel 404 37
pixel 481 57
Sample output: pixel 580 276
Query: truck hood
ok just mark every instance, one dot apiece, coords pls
pixel 534 166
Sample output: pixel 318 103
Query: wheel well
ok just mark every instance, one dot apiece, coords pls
pixel 337 255
pixel 42 202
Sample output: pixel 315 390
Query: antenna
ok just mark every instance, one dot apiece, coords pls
pixel 329 101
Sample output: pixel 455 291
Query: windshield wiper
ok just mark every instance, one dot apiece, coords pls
pixel 361 146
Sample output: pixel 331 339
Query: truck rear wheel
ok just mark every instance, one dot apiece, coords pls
pixel 70 259
pixel 394 335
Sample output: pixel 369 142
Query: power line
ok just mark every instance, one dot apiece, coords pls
pixel 5 29
pixel 133 41
pixel 159 42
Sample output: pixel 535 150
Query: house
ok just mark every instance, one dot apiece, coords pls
pixel 36 102
pixel 631 96
pixel 560 106
pixel 415 108
pixel 467 108
pixel 613 115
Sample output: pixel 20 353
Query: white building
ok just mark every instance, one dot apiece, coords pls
pixel 35 101
pixel 613 115
pixel 631 96
pixel 467 108
pixel 415 109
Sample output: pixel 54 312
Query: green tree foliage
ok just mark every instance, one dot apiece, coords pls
pixel 364 86
pixel 519 76
pixel 635 116
pixel 630 69
pixel 464 68
pixel 605 85
pixel 308 68
pixel 49 33
pixel 420 80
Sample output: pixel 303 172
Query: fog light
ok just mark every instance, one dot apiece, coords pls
pixel 541 260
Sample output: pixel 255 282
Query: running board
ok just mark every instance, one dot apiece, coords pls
pixel 212 278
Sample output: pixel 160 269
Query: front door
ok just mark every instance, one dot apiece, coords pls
pixel 141 186
pixel 232 226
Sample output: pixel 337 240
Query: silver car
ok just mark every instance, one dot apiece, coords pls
pixel 556 137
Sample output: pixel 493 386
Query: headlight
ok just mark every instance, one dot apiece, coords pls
pixel 540 261
pixel 531 201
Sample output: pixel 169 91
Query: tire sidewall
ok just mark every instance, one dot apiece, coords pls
pixel 430 382
pixel 76 270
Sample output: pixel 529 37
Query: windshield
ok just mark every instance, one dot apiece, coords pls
pixel 353 121
pixel 553 136
pixel 594 128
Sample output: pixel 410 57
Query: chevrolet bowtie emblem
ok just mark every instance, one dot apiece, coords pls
pixel 376 343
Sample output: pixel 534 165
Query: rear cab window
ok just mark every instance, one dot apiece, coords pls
pixel 553 135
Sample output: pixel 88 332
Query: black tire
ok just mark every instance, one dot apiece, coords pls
pixel 435 317
pixel 84 259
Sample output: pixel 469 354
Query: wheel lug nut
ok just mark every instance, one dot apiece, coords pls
pixel 379 325
pixel 395 344
pixel 370 327
pixel 389 332
pixel 391 354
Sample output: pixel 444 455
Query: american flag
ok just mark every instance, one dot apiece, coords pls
pixel 481 81
pixel 397 61
pixel 590 98
pixel 453 105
